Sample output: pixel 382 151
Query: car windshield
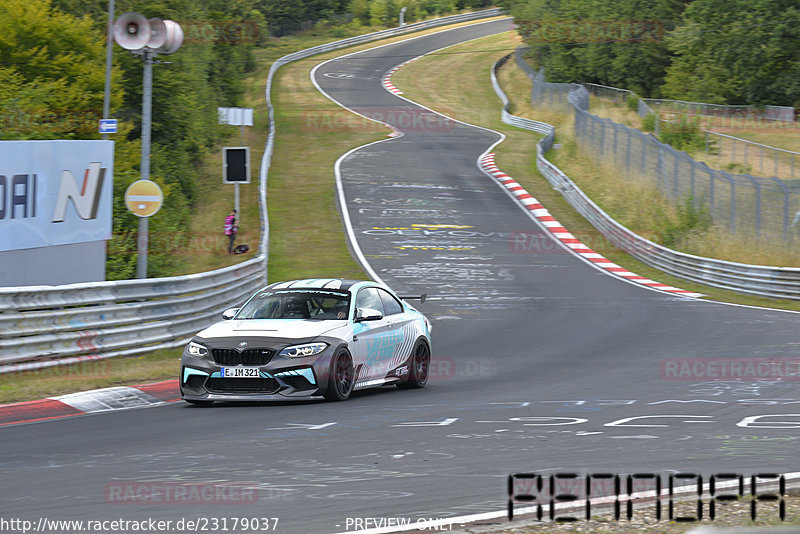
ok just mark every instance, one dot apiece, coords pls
pixel 319 304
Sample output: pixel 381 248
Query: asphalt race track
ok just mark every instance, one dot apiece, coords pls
pixel 542 363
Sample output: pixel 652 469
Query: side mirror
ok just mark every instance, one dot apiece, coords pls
pixel 368 314
pixel 229 313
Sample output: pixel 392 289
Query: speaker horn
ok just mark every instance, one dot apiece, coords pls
pixel 132 31
pixel 158 33
pixel 173 38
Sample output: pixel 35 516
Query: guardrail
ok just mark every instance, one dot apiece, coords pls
pixel 775 282
pixel 45 326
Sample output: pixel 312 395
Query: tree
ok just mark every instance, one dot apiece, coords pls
pixel 360 10
pixel 737 52
pixel 381 12
pixel 188 86
pixel 611 42
pixel 439 7
pixel 52 69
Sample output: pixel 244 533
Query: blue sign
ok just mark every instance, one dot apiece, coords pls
pixel 108 126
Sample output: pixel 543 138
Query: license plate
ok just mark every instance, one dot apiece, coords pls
pixel 239 372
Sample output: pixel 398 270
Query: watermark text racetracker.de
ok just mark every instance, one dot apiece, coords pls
pixel 730 368
pixel 404 118
pixel 148 525
pixel 181 493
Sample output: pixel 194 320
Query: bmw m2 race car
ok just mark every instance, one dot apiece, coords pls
pixel 310 339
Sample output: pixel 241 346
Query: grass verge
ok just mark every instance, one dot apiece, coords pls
pixel 456 82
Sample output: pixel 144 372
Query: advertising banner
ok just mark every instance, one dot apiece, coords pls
pixel 55 193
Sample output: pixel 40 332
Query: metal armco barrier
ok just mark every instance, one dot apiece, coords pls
pixel 775 282
pixel 45 326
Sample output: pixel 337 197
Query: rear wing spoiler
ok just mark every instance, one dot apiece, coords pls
pixel 420 298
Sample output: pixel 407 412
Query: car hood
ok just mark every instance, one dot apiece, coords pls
pixel 283 328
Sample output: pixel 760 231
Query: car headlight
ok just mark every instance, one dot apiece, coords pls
pixel 196 349
pixel 301 351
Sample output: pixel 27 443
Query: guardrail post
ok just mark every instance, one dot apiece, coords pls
pixel 643 138
pixel 602 137
pixel 628 155
pixel 776 163
pixel 745 158
pixel 733 201
pixel 712 176
pixel 758 205
pixel 676 176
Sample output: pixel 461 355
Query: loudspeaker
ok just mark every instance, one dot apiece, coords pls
pixel 132 31
pixel 173 38
pixel 158 33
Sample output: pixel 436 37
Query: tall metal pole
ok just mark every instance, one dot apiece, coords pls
pixel 236 185
pixel 109 49
pixel 147 98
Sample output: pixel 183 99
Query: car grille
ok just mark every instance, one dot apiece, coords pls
pixel 265 386
pixel 244 357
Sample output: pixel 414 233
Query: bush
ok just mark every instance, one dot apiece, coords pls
pixel 683 135
pixel 691 218
pixel 738 168
pixel 633 102
pixel 649 122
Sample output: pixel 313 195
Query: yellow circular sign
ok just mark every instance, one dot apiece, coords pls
pixel 144 198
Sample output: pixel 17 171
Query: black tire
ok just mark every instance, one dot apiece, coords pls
pixel 342 377
pixel 199 402
pixel 419 364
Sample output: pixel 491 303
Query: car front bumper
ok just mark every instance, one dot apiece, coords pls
pixel 281 378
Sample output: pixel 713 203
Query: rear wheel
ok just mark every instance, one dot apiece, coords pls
pixel 342 379
pixel 420 366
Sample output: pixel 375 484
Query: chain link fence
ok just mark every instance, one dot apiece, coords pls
pixel 728 152
pixel 766 207
pixel 767 113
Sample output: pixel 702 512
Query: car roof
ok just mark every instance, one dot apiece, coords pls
pixel 319 283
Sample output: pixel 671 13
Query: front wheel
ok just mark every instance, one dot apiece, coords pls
pixel 420 366
pixel 341 380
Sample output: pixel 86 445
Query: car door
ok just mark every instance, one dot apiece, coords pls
pixel 402 328
pixel 371 339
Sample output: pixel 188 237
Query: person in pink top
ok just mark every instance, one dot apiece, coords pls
pixel 231 228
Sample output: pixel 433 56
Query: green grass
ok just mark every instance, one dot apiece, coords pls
pixel 62 379
pixel 456 83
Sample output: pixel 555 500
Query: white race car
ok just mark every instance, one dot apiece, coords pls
pixel 318 338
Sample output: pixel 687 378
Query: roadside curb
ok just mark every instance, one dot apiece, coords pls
pixel 92 401
pixel 563 235
pixel 386 80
